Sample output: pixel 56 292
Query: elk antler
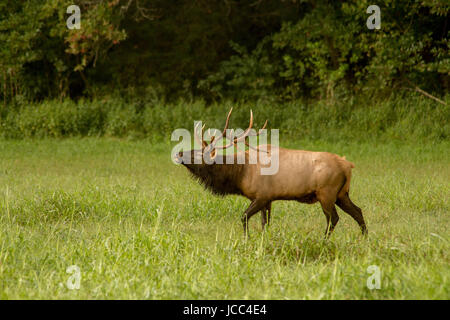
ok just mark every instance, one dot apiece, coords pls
pixel 224 132
pixel 200 139
pixel 242 136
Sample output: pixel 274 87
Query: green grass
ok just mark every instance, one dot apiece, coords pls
pixel 138 227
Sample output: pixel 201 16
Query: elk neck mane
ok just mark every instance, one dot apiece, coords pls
pixel 220 179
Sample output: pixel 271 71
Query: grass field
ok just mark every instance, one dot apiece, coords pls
pixel 139 227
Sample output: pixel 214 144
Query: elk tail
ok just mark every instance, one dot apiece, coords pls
pixel 352 165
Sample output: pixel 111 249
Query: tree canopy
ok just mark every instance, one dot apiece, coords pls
pixel 222 49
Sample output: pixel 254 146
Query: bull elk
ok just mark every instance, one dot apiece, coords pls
pixel 304 176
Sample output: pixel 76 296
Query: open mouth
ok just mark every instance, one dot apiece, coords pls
pixel 178 160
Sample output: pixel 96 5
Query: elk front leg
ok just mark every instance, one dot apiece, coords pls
pixel 254 207
pixel 332 218
pixel 265 215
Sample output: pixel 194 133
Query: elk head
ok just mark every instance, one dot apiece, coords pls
pixel 208 152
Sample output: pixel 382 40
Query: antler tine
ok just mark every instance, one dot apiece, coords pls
pixel 204 144
pixel 241 136
pixel 227 122
pixel 259 131
pixel 200 141
pixel 224 133
pixel 246 132
pixel 212 137
pixel 264 126
pixel 225 147
pixel 197 138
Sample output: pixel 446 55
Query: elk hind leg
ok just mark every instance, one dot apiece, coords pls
pixel 353 210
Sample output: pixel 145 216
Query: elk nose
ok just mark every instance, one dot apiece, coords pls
pixel 179 158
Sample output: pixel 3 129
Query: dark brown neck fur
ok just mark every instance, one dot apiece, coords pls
pixel 220 179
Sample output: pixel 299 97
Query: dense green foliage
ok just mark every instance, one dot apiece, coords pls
pixel 403 119
pixel 251 50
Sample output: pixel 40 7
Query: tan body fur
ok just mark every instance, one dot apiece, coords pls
pixel 300 174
